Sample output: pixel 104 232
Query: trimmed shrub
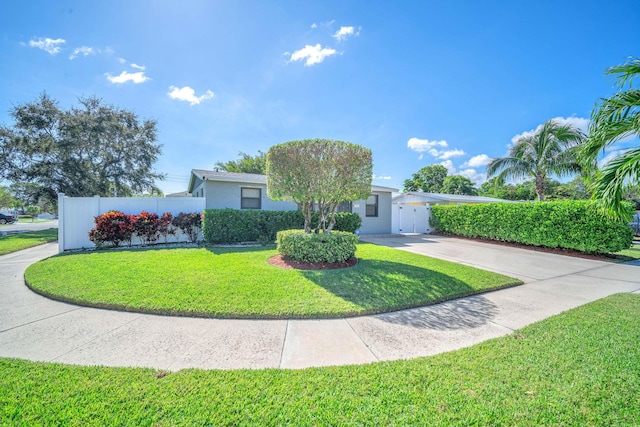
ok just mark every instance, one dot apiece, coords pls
pixel 234 226
pixel 147 227
pixel 338 246
pixel 345 221
pixel 572 224
pixel 224 226
pixel 112 229
pixel 189 224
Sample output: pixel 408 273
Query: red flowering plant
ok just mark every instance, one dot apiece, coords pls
pixel 112 229
pixel 189 224
pixel 147 227
pixel 166 229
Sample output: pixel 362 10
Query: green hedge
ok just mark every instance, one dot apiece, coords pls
pixel 339 246
pixel 234 226
pixel 568 224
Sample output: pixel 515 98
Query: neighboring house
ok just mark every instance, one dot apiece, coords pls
pixel 179 194
pixel 249 191
pixel 411 211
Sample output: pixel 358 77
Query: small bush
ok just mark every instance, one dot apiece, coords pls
pixel 166 229
pixel 112 229
pixel 147 227
pixel 189 224
pixel 347 221
pixel 569 224
pixel 338 246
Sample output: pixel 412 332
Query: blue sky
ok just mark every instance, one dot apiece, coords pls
pixel 417 82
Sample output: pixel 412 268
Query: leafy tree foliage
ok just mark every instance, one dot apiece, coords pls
pixel 6 198
pixel 246 164
pixel 457 184
pixel 428 179
pixel 613 119
pixel 496 188
pixel 319 171
pixel 552 149
pixel 93 149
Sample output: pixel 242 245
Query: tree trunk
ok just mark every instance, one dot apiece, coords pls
pixel 541 187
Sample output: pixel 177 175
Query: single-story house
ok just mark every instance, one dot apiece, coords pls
pixel 411 211
pixel 231 190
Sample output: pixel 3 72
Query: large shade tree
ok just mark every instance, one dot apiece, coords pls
pixel 93 149
pixel 246 164
pixel 458 184
pixel 613 119
pixel 428 179
pixel 319 172
pixel 551 149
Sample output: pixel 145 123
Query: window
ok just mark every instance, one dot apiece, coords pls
pixel 251 198
pixel 344 207
pixel 372 205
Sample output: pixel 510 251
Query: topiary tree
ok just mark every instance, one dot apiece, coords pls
pixel 319 171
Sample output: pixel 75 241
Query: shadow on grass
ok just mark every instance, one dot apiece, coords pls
pixel 463 313
pixel 377 285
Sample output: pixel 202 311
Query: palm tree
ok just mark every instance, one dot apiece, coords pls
pixel 613 119
pixel 551 149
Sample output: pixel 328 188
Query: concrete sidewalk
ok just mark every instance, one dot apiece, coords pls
pixel 37 328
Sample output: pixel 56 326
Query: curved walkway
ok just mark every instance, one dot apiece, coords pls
pixel 37 328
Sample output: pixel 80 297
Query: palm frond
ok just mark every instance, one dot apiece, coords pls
pixel 619 173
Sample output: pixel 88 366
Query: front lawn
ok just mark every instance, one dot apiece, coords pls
pixel 241 283
pixel 629 254
pixel 579 368
pixel 15 242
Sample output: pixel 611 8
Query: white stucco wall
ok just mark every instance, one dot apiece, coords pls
pixel 375 225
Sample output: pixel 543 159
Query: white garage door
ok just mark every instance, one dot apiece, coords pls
pixel 410 219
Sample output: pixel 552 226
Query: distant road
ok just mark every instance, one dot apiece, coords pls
pixel 27 225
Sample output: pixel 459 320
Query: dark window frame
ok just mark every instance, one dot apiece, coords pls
pixel 243 198
pixel 373 205
pixel 341 205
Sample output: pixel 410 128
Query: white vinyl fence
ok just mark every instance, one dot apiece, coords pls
pixel 76 214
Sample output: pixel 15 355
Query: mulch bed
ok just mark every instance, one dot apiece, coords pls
pixel 557 251
pixel 281 262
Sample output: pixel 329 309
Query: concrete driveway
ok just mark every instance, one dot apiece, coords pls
pixel 36 328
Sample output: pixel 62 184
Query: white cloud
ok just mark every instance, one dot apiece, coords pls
pixel 448 164
pixel 314 25
pixel 124 77
pixel 138 67
pixel 424 145
pixel 475 177
pixel 421 145
pixel 382 177
pixel 345 32
pixel 447 154
pixel 311 54
pixel 189 95
pixel 51 46
pixel 477 161
pixel 122 60
pixel 84 51
pixel 580 123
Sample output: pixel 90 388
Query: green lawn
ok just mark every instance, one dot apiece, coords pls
pixel 241 283
pixel 629 254
pixel 15 242
pixel 576 369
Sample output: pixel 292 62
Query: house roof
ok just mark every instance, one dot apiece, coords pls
pixel 179 194
pixel 438 197
pixel 249 178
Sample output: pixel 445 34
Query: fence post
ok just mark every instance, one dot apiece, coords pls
pixel 60 222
